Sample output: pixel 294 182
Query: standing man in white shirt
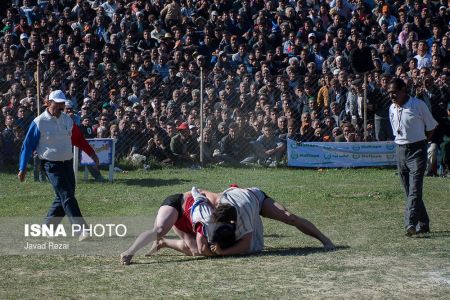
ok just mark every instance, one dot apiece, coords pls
pixel 413 126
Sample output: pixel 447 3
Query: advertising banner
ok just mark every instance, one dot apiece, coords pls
pixel 104 150
pixel 339 155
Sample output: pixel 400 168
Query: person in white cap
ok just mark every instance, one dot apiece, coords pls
pixel 52 135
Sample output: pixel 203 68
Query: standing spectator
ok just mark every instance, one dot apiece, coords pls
pixel 7 141
pixel 58 133
pixel 383 130
pixel 413 126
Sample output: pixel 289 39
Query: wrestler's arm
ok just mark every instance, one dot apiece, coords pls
pixel 213 198
pixel 241 247
pixel 203 246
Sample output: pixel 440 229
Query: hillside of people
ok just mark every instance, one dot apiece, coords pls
pixel 135 70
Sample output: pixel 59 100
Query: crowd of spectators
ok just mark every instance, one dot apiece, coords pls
pixel 272 70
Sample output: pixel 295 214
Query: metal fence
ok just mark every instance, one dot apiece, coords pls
pixel 155 115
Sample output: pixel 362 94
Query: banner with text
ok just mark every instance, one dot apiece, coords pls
pixel 104 150
pixel 338 155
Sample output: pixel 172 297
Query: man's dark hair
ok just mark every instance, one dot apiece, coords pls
pixel 398 83
pixel 225 236
pixel 225 213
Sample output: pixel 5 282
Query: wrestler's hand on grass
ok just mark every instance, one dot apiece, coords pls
pixel 216 249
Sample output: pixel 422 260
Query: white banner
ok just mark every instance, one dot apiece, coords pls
pixel 338 155
pixel 104 150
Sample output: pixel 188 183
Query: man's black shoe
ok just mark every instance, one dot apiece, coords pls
pixel 410 231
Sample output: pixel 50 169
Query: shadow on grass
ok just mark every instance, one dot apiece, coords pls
pixel 298 251
pixel 275 235
pixel 11 169
pixel 150 182
pixel 169 259
pixel 269 252
pixel 434 234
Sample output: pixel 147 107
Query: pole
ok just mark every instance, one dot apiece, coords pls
pixel 38 88
pixel 365 105
pixel 201 116
pixel 113 157
pixel 36 161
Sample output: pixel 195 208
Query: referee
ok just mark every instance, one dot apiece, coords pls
pixel 52 135
pixel 413 126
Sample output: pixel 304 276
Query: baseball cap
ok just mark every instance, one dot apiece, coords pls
pixel 23 36
pixel 192 126
pixel 311 35
pixel 183 126
pixel 57 96
pixel 69 104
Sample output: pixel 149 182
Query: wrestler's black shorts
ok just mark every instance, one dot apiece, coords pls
pixel 176 202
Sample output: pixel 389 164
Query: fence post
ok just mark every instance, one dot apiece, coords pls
pixel 365 104
pixel 201 116
pixel 36 161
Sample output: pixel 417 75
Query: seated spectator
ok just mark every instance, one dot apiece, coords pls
pixel 209 146
pixel 348 134
pixel 233 148
pixel 337 131
pixel 183 147
pixel 267 148
pixel 157 150
pixel 306 130
pixel 291 132
pixel 221 131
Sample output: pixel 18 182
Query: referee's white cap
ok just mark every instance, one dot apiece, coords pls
pixel 57 96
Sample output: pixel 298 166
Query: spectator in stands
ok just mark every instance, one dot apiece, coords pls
pixel 233 148
pixel 181 145
pixel 267 148
pixel 8 149
pixel 158 150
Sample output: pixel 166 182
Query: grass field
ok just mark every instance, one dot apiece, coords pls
pixel 360 210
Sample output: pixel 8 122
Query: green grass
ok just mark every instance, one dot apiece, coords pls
pixel 360 210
